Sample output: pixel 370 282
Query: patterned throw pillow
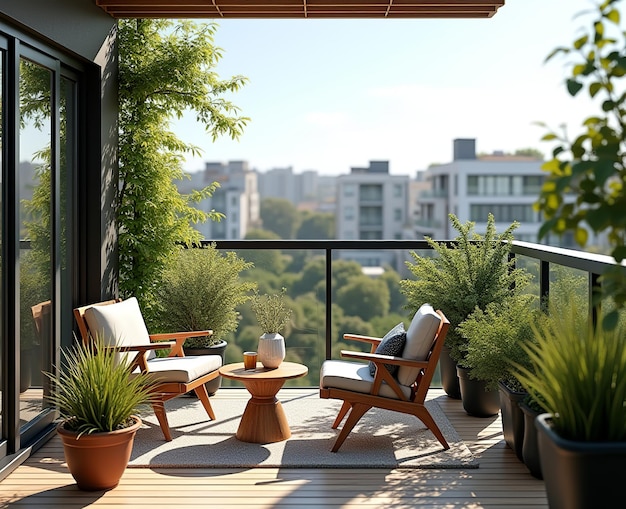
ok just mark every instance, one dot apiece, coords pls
pixel 391 344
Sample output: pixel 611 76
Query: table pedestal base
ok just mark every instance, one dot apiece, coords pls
pixel 263 422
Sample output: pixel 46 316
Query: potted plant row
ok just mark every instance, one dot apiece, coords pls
pixel 582 437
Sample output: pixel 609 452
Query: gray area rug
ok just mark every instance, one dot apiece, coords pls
pixel 382 439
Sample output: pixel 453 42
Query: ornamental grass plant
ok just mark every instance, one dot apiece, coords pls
pixel 93 389
pixel 579 374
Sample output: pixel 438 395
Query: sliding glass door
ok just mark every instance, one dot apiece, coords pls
pixel 39 169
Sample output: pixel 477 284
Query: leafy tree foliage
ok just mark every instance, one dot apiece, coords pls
pixel 268 259
pixel 166 68
pixel 364 297
pixel 280 216
pixel 529 152
pixel 316 225
pixel 592 164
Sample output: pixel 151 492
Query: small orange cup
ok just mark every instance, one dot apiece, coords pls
pixel 249 360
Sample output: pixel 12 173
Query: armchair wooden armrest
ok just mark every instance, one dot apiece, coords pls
pixel 139 360
pixel 179 338
pixel 374 342
pixel 384 359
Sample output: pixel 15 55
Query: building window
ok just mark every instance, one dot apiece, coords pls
pixel 348 213
pixel 371 216
pixel 349 189
pixel 504 185
pixel 398 190
pixel 397 215
pixel 523 213
pixel 532 184
pixel 371 193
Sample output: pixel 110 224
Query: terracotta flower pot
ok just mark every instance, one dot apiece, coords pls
pixel 98 460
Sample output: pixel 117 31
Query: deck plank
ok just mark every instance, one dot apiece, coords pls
pixel 502 481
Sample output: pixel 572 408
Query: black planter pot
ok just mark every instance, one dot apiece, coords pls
pixel 449 378
pixel 530 449
pixel 477 401
pixel 218 349
pixel 580 474
pixel 512 418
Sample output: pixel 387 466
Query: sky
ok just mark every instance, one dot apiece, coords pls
pixel 328 95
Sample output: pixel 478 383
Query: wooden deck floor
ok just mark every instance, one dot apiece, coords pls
pixel 502 481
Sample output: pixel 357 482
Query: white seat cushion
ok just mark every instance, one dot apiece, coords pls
pixel 182 369
pixel 354 376
pixel 419 340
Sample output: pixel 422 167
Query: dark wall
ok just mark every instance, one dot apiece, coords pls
pixel 78 25
pixel 81 29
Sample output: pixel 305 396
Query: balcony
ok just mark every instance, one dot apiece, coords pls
pixel 500 481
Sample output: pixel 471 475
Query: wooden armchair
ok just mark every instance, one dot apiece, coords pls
pixel 404 392
pixel 121 324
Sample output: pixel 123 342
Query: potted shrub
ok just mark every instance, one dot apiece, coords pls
pixel 495 338
pixel 201 290
pixel 98 402
pixel 273 315
pixel 582 437
pixel 470 272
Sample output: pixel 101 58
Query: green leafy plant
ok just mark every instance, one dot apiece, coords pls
pixel 271 311
pixel 166 69
pixel 591 166
pixel 582 377
pixel 94 391
pixel 496 337
pixel 464 275
pixel 202 290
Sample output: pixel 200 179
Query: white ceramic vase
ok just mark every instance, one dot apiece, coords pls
pixel 271 350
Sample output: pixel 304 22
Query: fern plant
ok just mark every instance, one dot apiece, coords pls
pixel 496 337
pixel 469 273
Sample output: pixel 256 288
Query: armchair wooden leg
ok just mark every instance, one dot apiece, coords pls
pixel 342 413
pixel 424 415
pixel 159 411
pixel 358 410
pixel 203 396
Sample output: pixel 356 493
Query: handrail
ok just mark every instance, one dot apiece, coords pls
pixel 593 264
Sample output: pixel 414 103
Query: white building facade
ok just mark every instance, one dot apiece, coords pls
pixel 237 198
pixel 372 205
pixel 471 187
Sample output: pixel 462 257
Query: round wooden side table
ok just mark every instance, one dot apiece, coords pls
pixel 263 420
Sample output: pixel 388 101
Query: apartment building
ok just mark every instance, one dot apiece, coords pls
pixel 306 190
pixel 372 204
pixel 471 187
pixel 237 198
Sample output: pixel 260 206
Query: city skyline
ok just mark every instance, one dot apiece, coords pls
pixel 327 95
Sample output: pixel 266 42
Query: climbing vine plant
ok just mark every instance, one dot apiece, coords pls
pixel 591 165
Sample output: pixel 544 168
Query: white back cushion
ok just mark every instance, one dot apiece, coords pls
pixel 119 324
pixel 419 340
